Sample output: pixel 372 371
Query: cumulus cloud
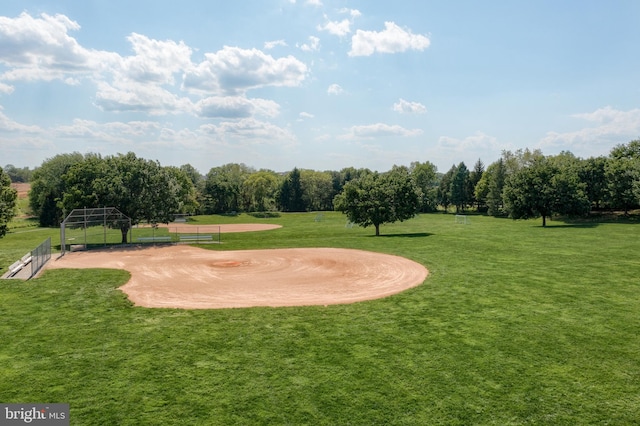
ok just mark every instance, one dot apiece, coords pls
pixel 9 125
pixel 406 107
pixel 235 107
pixel 140 98
pixel 234 70
pixel 303 115
pixel 476 142
pixel 609 126
pixel 335 89
pixel 248 130
pixel 342 27
pixel 268 45
pixel 5 88
pixel 377 130
pixel 392 39
pixel 41 48
pixel 314 44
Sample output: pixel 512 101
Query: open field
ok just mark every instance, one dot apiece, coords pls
pixel 515 324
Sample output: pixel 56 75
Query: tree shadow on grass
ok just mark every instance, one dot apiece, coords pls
pixel 409 235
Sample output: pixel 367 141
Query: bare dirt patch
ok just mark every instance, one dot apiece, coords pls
pixel 22 188
pixel 194 278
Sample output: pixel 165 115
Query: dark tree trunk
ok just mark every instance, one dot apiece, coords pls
pixel 377 225
pixel 544 221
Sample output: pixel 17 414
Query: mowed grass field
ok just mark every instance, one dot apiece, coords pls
pixel 515 325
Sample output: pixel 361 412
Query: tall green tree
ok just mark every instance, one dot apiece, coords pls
pixel 424 178
pixel 139 188
pixel 260 190
pixel 223 187
pixel 542 188
pixel 291 193
pixel 623 173
pixel 375 199
pixel 8 197
pixel 47 188
pixel 460 187
pixel 593 174
pixel 444 188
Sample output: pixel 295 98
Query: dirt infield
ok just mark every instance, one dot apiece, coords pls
pixel 194 278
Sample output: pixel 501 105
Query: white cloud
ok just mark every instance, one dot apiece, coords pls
pixel 406 107
pixel 335 89
pixel 268 45
pixel 392 39
pixel 154 61
pixel 610 126
pixel 314 44
pixel 234 70
pixel 249 130
pixel 9 125
pixel 147 98
pixel 304 115
pixel 41 49
pixel 340 28
pixel 314 2
pixel 5 88
pixel 235 107
pixel 476 142
pixel 377 130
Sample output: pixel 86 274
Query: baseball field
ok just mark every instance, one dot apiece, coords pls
pixel 511 324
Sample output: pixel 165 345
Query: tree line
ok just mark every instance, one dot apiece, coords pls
pixel 521 184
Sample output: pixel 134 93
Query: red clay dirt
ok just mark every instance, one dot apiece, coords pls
pixel 194 278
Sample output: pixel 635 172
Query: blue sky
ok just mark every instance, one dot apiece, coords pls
pixel 317 84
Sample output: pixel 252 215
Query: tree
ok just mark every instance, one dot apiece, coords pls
pixel 259 191
pixel 495 188
pixel 593 174
pixel 47 188
pixel 424 178
pixel 223 187
pixel 375 199
pixel 290 197
pixel 444 188
pixel 460 187
pixel 623 173
pixel 139 188
pixel 8 197
pixel 474 177
pixel 317 190
pixel 542 188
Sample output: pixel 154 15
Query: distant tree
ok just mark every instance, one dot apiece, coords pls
pixel 18 175
pixel 474 177
pixel 8 197
pixel 593 174
pixel 375 199
pixel 542 188
pixel 444 188
pixel 622 171
pixel 193 174
pixel 494 191
pixel 424 178
pixel 139 188
pixel 291 193
pixel 317 190
pixel 460 187
pixel 223 187
pixel 47 188
pixel 259 191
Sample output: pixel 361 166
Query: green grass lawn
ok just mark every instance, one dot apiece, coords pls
pixel 516 324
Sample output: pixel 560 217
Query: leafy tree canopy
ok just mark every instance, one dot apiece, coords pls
pixel 375 199
pixel 8 197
